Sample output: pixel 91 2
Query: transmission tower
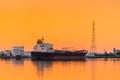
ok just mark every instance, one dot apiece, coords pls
pixel 93 41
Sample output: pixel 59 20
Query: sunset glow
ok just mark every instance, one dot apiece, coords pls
pixel 65 23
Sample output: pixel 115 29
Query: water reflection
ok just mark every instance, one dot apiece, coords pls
pixel 13 61
pixel 18 62
pixel 102 68
pixel 90 69
pixel 93 70
pixel 41 66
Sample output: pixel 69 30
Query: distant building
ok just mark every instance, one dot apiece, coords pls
pixel 8 53
pixel 1 53
pixel 116 51
pixel 17 50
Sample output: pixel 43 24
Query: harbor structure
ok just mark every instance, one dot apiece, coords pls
pixel 7 53
pixel 93 49
pixel 116 51
pixel 93 41
pixel 17 51
pixel 27 54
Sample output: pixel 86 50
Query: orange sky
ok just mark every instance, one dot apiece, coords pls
pixel 65 23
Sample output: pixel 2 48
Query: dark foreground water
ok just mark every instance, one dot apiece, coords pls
pixel 91 69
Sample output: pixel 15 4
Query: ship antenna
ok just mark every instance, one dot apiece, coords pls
pixel 93 41
pixel 42 38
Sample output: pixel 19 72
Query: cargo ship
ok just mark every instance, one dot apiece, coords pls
pixel 45 51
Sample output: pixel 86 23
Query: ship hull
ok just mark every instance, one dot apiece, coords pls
pixel 69 56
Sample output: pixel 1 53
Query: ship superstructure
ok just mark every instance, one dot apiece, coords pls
pixel 43 47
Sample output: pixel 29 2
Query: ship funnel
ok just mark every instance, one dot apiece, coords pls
pixel 39 41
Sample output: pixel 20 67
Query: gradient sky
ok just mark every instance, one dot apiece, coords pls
pixel 65 23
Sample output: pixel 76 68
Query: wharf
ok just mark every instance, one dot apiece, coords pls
pixel 103 56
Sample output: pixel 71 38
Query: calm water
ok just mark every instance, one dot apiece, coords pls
pixel 91 69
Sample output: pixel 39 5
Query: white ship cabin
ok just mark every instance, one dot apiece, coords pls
pixel 43 47
pixel 18 50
